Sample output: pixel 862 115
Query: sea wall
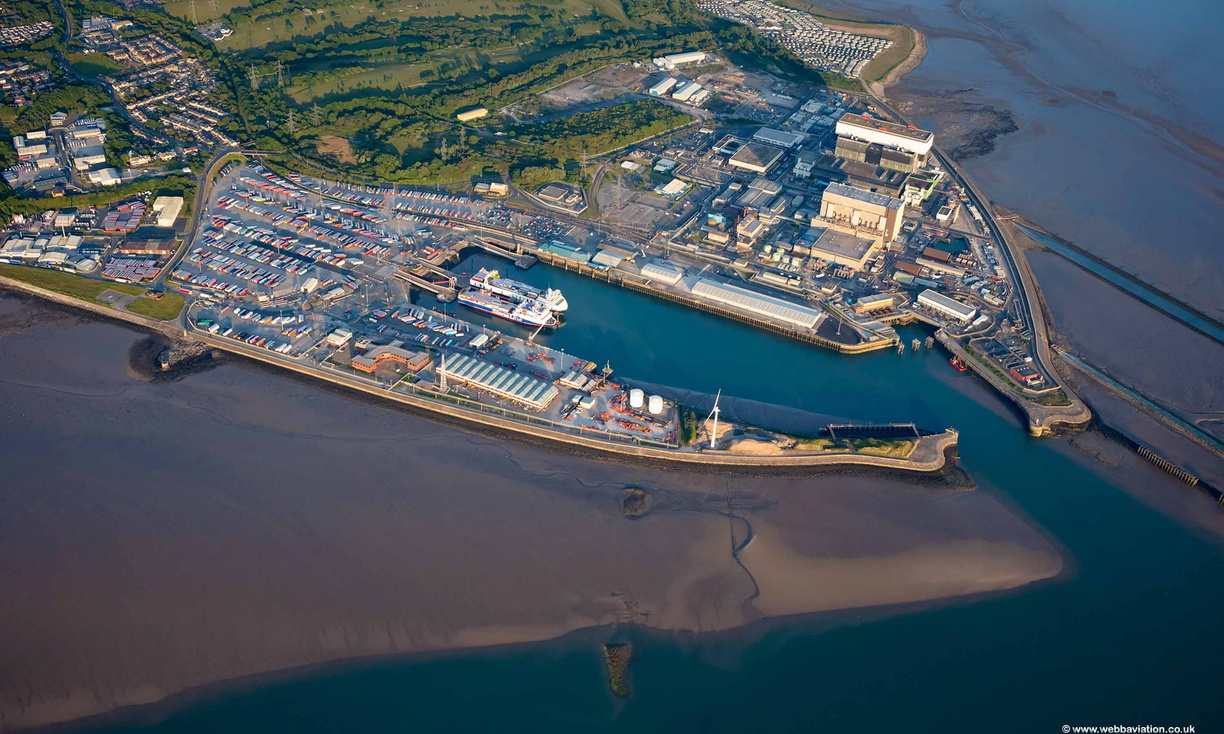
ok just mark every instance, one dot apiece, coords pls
pixel 932 455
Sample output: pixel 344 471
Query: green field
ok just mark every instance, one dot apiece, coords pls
pixel 76 286
pixel 88 289
pixel 182 8
pixel 296 22
pixel 94 65
pixel 166 309
pixel 405 75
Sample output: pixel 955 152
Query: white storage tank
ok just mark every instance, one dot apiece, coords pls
pixel 637 398
pixel 656 404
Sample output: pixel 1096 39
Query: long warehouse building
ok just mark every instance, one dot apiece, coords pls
pixel 757 304
pixel 940 303
pixel 662 88
pixel 498 381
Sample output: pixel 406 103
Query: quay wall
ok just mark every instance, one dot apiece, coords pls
pixel 932 455
pixel 1042 418
pixel 609 276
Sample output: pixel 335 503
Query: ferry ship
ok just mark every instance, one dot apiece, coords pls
pixel 491 281
pixel 528 313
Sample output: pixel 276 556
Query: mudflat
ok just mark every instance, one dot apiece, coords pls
pixel 162 536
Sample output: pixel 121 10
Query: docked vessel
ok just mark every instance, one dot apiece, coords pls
pixel 491 281
pixel 958 364
pixel 528 313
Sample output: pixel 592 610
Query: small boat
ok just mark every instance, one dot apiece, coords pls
pixel 958 364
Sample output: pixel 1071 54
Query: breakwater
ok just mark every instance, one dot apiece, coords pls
pixel 931 455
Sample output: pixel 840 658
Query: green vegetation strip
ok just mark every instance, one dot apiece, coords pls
pixel 88 289
pixel 895 448
pixel 76 286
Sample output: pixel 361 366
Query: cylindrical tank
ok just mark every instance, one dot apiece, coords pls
pixel 656 404
pixel 636 398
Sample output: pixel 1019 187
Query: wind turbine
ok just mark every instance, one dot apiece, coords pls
pixel 714 414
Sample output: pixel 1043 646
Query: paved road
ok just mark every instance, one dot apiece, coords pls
pixel 198 211
pixel 1023 290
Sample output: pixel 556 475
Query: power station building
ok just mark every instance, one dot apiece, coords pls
pixel 859 209
pixel 880 143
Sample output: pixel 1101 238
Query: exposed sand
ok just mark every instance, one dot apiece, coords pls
pixel 792 583
pixel 159 537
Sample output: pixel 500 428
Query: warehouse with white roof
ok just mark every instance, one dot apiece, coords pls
pixel 945 306
pixel 662 272
pixel 498 381
pixel 671 61
pixel 780 138
pixel 758 304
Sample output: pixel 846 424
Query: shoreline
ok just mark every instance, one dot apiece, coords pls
pixel 932 455
pixel 592 638
pixel 907 65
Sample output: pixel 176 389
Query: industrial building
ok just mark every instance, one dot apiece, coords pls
pixel 842 246
pixel 757 304
pixel 166 209
pixel 28 147
pixel 749 230
pixel 863 210
pixel 662 272
pixel 612 256
pixel 874 303
pixel 104 177
pixel 804 163
pixel 339 337
pixel 757 158
pixel 862 175
pixel 497 381
pixel 880 143
pixel 147 244
pixel 673 189
pixel 662 88
pixel 780 138
pixel 567 251
pixel 672 61
pixel 473 114
pixel 685 93
pixel 945 306
pixel 391 354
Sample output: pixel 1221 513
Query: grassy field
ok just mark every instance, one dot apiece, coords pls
pixel 182 8
pixel 166 309
pixel 312 20
pixel 87 289
pixel 76 286
pixel 393 75
pixel 94 65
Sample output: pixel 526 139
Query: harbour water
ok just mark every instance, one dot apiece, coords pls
pixel 1126 633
